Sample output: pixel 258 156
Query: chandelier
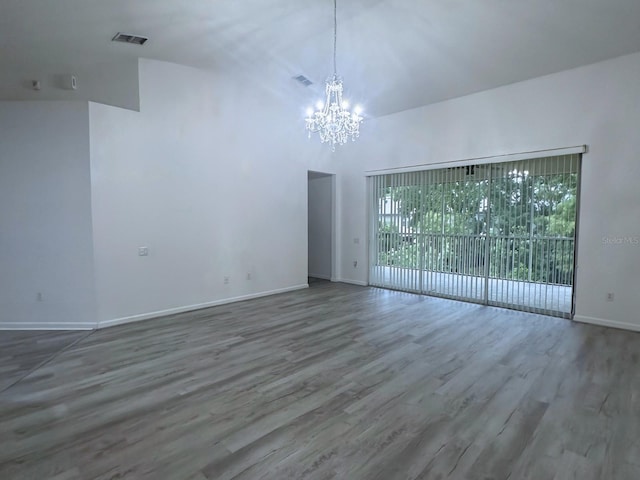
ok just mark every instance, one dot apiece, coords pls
pixel 332 120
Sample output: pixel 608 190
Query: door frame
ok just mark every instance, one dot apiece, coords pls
pixel 333 277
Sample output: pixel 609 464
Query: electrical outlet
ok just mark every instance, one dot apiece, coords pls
pixel 356 241
pixel 355 264
pixel 226 280
pixel 248 275
pixel 610 297
pixel 143 251
pixel 39 296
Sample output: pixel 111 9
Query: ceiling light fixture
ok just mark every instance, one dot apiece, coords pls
pixel 332 120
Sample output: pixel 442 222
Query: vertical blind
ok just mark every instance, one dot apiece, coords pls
pixel 499 234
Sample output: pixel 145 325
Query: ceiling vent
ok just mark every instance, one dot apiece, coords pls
pixel 126 38
pixel 303 80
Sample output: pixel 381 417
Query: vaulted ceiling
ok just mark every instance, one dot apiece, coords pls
pixel 393 54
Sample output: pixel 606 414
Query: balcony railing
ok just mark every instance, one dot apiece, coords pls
pixel 545 260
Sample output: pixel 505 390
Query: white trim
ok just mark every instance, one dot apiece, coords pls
pixel 352 282
pixel 334 230
pixel 47 326
pixel 322 277
pixel 607 323
pixel 508 157
pixel 189 308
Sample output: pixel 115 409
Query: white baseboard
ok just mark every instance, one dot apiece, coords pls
pixel 607 323
pixel 317 275
pixel 189 308
pixel 352 282
pixel 47 326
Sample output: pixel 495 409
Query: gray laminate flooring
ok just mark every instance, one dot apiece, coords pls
pixel 23 351
pixel 336 381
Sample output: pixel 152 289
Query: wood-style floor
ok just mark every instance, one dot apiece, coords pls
pixel 336 381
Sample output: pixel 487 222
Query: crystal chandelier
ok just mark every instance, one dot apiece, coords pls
pixel 332 120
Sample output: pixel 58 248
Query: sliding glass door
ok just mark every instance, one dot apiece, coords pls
pixel 498 234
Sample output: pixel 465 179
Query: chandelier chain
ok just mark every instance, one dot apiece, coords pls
pixel 335 36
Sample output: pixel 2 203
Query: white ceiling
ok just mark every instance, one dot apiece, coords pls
pixel 393 54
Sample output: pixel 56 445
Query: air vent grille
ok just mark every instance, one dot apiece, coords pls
pixel 127 38
pixel 303 80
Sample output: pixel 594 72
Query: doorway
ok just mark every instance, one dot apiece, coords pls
pixel 321 225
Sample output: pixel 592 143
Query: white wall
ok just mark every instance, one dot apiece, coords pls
pixel 320 226
pixel 206 176
pixel 211 176
pixel 45 216
pixel 597 105
pixel 113 83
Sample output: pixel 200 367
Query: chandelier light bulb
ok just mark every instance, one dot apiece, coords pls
pixel 345 104
pixel 319 105
pixel 309 111
pixel 357 110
